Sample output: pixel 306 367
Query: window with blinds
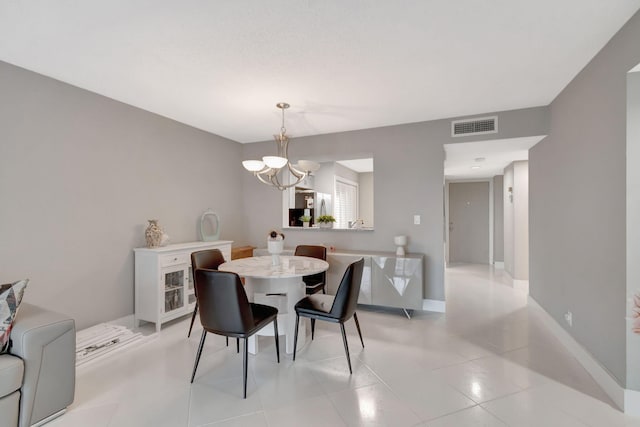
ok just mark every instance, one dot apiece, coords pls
pixel 346 203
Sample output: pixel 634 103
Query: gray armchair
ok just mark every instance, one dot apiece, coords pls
pixel 37 376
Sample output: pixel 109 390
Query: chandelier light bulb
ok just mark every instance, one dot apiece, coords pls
pixel 308 166
pixel 275 162
pixel 253 165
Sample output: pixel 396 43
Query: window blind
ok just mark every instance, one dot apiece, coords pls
pixel 346 203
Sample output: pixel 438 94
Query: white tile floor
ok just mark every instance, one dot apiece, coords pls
pixel 488 362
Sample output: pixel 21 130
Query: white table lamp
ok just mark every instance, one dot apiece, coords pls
pixel 401 242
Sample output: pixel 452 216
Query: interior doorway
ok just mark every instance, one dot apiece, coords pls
pixel 469 222
pixel 487 163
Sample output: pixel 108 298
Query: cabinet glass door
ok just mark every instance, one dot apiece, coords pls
pixel 174 282
pixel 191 292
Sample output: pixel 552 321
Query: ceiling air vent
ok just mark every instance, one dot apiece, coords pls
pixel 478 126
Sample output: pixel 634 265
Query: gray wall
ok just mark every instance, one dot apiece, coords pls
pixel 511 124
pixel 508 220
pixel 498 219
pixel 521 220
pixel 366 198
pixel 408 175
pixel 633 225
pixel 323 179
pixel 577 204
pixel 79 176
pixel 346 173
pixel 516 220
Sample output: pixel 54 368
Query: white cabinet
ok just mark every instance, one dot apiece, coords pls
pixel 397 281
pixel 164 283
pixel 338 264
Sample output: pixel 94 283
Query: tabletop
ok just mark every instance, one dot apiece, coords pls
pixel 260 267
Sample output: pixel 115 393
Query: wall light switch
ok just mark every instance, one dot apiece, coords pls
pixel 416 219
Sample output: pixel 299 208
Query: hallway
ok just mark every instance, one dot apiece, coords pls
pixel 484 309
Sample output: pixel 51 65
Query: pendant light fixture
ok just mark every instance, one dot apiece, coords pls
pixel 268 170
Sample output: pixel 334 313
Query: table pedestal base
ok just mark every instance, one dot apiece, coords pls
pixel 282 293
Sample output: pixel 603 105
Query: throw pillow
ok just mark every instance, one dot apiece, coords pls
pixel 10 299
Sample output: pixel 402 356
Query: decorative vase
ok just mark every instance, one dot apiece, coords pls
pixel 154 234
pixel 400 241
pixel 209 221
pixel 305 224
pixel 275 248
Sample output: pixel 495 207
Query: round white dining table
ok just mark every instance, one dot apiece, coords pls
pixel 278 285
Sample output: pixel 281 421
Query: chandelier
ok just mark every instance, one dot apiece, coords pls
pixel 268 170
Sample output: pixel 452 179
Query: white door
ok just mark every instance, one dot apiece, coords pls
pixel 469 222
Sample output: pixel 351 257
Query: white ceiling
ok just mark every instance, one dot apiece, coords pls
pixel 222 66
pixel 491 157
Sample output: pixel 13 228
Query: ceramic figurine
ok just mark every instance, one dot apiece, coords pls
pixel 154 235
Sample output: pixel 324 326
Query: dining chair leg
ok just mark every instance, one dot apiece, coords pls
pixel 295 336
pixel 193 317
pixel 227 341
pixel 346 346
pixel 313 327
pixel 355 317
pixel 275 332
pixel 195 366
pixel 244 365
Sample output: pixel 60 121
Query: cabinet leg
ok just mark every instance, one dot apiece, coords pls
pixel 406 313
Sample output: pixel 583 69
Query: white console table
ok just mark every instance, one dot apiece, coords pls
pixel 163 280
pixel 387 280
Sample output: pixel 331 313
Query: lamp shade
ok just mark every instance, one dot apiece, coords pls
pixel 253 165
pixel 275 162
pixel 308 165
pixel 400 240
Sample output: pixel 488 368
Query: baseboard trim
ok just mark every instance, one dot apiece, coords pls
pixel 434 305
pixel 521 285
pixel 499 264
pixel 518 284
pixel 49 418
pixel 620 396
pixel 632 402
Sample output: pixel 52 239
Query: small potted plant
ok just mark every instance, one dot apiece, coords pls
pixel 326 221
pixel 305 220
